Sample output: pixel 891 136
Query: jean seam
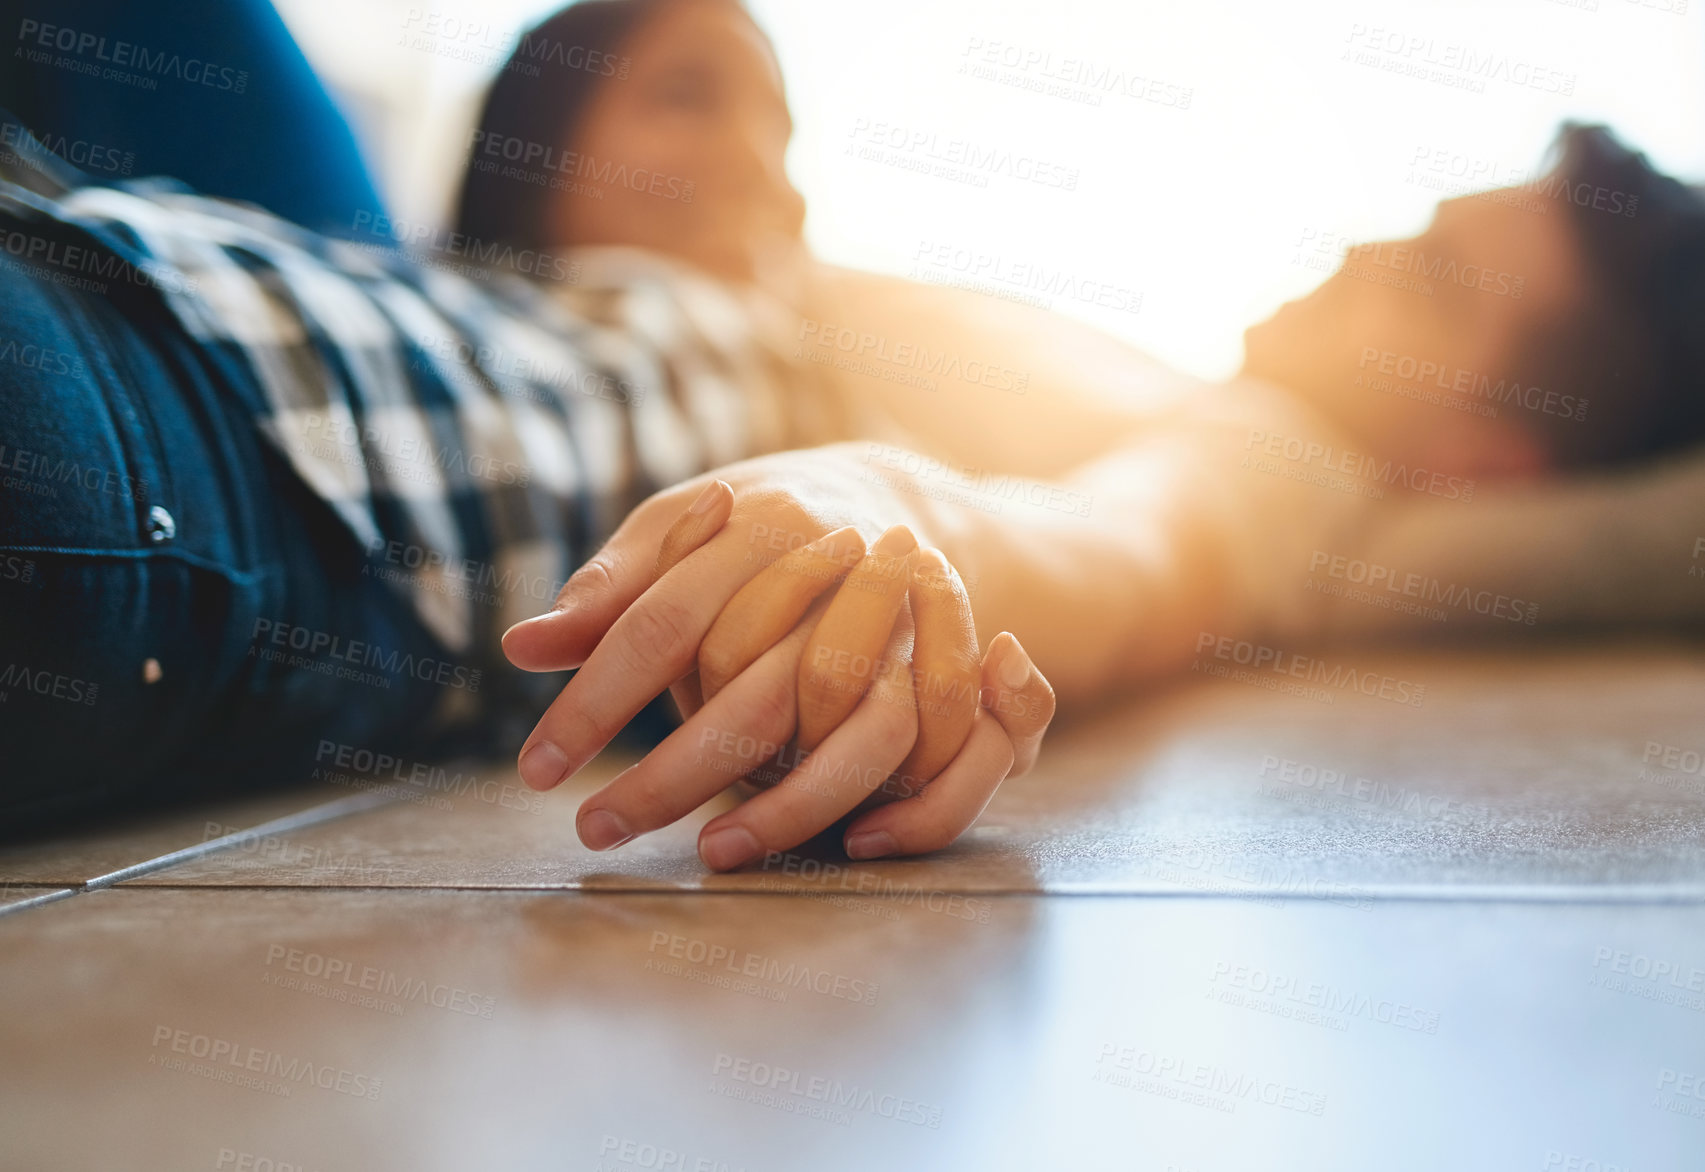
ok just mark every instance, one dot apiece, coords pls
pixel 135 433
pixel 195 561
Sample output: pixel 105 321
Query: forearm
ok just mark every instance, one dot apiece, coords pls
pixel 1112 574
pixel 1048 393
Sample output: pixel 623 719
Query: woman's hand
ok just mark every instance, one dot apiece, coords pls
pixel 870 656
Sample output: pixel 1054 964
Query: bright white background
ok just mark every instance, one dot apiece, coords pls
pixel 1198 209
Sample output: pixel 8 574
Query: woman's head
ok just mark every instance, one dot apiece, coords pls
pixel 656 123
pixel 1542 327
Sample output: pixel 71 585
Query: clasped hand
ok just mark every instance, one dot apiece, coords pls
pixel 828 675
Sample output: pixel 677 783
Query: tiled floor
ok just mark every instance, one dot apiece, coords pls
pixel 1221 928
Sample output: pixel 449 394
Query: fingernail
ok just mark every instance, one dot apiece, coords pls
pixel 896 542
pixel 872 844
pixel 1015 666
pixel 932 571
pixel 727 848
pixel 603 830
pixel 543 766
pixel 558 608
pixel 523 623
pixel 707 498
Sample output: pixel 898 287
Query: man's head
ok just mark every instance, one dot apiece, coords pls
pixel 1547 327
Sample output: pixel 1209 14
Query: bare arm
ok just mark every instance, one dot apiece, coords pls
pixel 978 380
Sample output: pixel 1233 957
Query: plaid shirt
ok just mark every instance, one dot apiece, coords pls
pixel 477 432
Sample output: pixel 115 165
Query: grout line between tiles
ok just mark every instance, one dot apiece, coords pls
pixel 1580 894
pixel 7 909
pixel 313 815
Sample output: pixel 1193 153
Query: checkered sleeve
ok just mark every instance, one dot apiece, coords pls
pixel 477 435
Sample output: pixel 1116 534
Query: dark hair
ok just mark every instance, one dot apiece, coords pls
pixel 538 99
pixel 1642 235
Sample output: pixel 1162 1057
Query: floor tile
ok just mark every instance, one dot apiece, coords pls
pixel 428 1030
pixel 1540 776
pixel 112 849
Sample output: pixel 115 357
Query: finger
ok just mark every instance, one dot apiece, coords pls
pixel 703 519
pixel 687 694
pixel 653 644
pixel 948 804
pixel 946 667
pixel 853 761
pixel 597 594
pixel 841 660
pixel 707 514
pixel 771 604
pixel 743 728
pixel 1019 697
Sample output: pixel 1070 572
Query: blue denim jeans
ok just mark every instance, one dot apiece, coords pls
pixel 171 598
pixel 215 93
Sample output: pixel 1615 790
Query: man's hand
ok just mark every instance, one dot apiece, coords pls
pixel 868 655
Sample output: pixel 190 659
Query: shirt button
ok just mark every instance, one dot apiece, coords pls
pixel 161 527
